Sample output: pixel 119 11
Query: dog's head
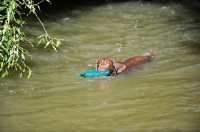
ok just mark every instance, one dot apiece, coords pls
pixel 109 64
pixel 105 64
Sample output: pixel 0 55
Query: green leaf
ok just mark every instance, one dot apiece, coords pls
pixel 23 56
pixel 6 1
pixel 40 36
pixel 2 8
pixel 13 5
pixel 29 73
pixel 41 40
pixel 24 70
pixel 8 16
pixel 5 74
pixel 21 75
pixel 46 38
pixel 58 43
pixel 47 44
pixel 48 1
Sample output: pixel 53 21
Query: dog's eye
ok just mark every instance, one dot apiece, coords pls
pixel 107 61
pixel 99 62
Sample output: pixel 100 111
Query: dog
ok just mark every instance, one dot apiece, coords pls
pixel 121 67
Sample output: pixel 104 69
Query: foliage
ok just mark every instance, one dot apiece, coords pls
pixel 12 37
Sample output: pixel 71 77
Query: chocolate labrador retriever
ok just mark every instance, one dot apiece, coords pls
pixel 120 67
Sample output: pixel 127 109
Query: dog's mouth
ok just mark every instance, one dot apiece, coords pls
pixel 102 69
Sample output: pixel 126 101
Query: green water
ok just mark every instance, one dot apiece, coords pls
pixel 163 95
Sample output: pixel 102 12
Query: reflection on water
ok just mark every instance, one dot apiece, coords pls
pixel 162 95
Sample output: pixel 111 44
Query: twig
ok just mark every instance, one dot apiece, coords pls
pixel 41 24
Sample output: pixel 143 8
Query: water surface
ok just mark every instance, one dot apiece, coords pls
pixel 162 95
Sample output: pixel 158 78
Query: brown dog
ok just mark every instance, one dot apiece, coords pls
pixel 120 67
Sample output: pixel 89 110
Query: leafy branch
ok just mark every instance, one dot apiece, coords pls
pixel 12 53
pixel 45 38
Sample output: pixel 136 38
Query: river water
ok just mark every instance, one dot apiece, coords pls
pixel 163 95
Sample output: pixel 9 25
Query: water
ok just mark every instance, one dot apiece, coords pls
pixel 162 95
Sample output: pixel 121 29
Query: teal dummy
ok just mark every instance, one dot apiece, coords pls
pixel 94 73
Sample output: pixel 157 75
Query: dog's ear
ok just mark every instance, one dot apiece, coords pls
pixel 113 65
pixel 113 62
pixel 96 64
pixel 118 67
